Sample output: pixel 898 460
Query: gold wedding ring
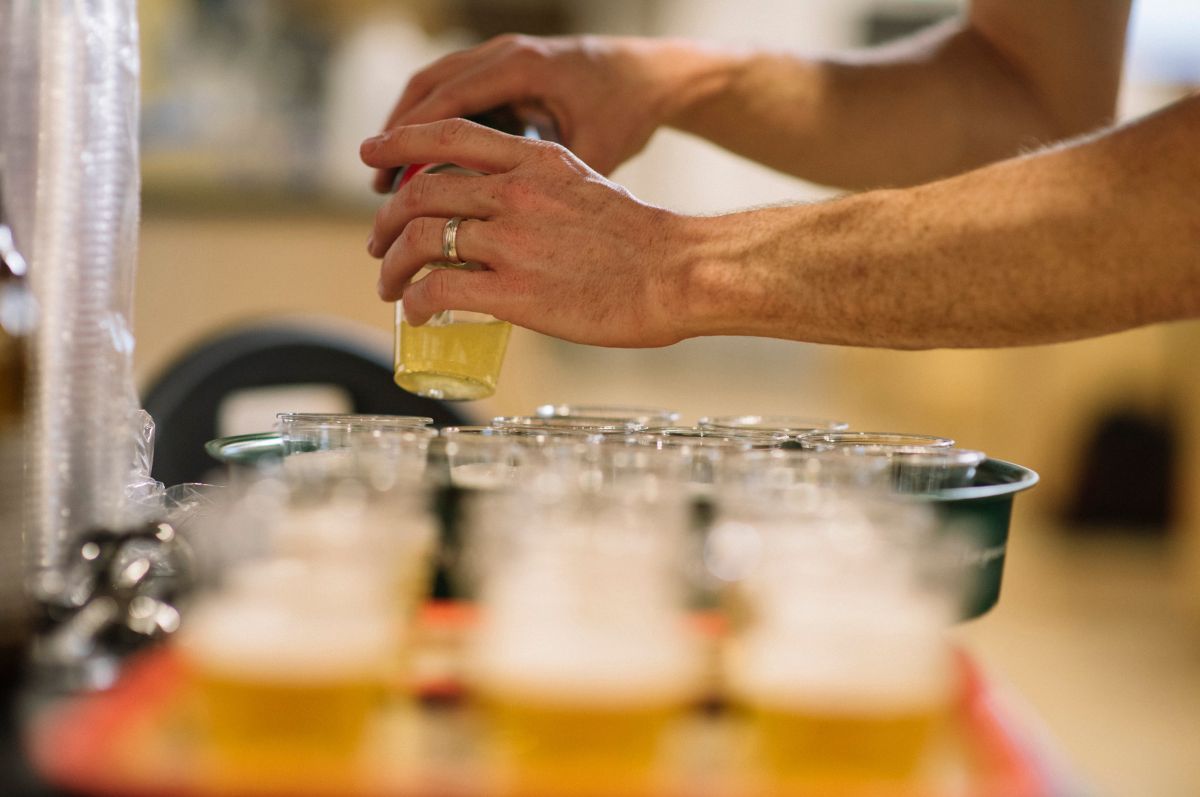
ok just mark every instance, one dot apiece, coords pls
pixel 450 242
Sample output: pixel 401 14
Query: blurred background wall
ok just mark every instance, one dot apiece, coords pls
pixel 256 206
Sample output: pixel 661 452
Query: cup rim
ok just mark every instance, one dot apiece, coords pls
pixel 935 455
pixel 615 412
pixel 350 420
pixel 678 437
pixel 580 423
pixel 882 440
pixel 454 436
pixel 786 424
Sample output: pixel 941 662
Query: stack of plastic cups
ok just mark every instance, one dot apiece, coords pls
pixel 18 186
pixel 85 406
pixel 18 117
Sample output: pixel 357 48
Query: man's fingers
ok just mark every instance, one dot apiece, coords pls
pixel 420 243
pixel 418 88
pixel 383 180
pixel 444 195
pixel 457 141
pixel 469 92
pixel 443 70
pixel 450 289
pixel 425 82
pixel 485 87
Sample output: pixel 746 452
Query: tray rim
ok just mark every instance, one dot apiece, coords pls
pixel 219 448
pixel 71 741
pixel 1018 479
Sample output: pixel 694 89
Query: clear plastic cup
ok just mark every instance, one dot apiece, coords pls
pixel 648 416
pixel 789 425
pixel 761 472
pixel 457 354
pixel 361 512
pixel 380 451
pixel 583 659
pixel 311 431
pixel 454 356
pixel 385 528
pixel 918 463
pixel 487 458
pixel 840 665
pixel 926 469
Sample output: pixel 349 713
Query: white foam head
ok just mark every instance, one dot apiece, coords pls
pixel 551 635
pixel 845 660
pixel 293 621
pixel 578 666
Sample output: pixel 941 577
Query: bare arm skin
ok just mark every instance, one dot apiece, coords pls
pixel 1081 240
pixel 1011 74
pixel 1085 239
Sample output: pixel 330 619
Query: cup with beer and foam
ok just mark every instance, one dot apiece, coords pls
pixel 843 698
pixel 384 533
pixel 285 663
pixel 583 663
pixel 843 668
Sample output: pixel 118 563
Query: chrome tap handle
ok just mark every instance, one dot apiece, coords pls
pixel 11 261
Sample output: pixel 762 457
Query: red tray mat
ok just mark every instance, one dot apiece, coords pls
pixel 83 743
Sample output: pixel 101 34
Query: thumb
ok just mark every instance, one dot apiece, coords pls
pixel 589 148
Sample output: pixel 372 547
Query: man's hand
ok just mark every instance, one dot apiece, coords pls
pixel 564 251
pixel 608 95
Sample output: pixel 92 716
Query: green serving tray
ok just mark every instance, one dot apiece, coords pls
pixel 246 449
pixel 982 510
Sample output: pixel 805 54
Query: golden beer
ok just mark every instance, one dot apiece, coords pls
pixel 255 724
pixel 844 711
pixel 280 693
pixel 456 361
pixel 575 712
pixel 823 744
pixel 589 745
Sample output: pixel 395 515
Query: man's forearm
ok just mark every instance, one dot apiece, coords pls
pixel 1087 239
pixel 953 98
